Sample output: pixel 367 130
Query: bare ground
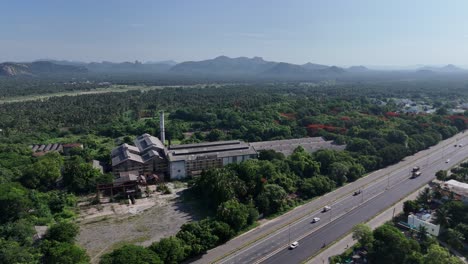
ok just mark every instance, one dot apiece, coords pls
pixel 108 226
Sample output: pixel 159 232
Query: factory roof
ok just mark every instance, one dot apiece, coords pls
pixel 124 147
pixel 146 141
pixel 210 150
pixel 122 154
pixel 206 144
pixel 287 146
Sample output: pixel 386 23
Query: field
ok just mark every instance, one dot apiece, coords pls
pixel 108 226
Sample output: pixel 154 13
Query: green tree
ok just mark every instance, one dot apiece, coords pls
pixel 272 199
pixel 338 172
pixel 439 255
pixel 63 253
pixel 410 206
pixel 443 217
pixel 131 254
pixel 390 246
pixel 14 202
pixel 63 232
pixel 170 250
pixel 441 175
pixel 44 173
pixel 363 234
pixel 454 238
pixel 234 214
pixel 80 176
pixel 12 252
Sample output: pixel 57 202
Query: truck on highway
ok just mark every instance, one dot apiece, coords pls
pixel 415 174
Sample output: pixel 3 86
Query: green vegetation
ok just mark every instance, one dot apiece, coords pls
pixel 366 117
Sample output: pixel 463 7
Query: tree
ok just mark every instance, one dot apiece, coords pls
pixel 219 185
pixel 13 252
pixel 397 137
pixel 63 253
pixel 422 232
pixel 439 255
pixel 390 246
pixel 443 217
pixel 424 196
pixel 270 155
pixel 454 238
pixel 272 199
pixel 170 250
pixel 441 175
pixel 215 135
pixel 14 202
pixel 363 234
pixel 63 232
pixel 44 173
pixel 80 176
pixel 233 213
pixel 410 206
pixel 338 172
pixel 131 254
pixel 316 186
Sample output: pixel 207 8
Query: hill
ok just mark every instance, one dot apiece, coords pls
pixel 38 68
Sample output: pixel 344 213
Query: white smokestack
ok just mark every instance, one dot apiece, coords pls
pixel 161 127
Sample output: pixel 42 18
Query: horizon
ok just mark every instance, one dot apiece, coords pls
pixel 395 34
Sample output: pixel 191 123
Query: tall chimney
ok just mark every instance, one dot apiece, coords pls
pixel 161 127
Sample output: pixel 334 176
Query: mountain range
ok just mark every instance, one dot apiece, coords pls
pixel 221 67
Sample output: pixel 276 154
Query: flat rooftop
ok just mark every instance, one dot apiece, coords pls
pixel 218 149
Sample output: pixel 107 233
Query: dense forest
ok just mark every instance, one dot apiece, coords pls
pixel 369 118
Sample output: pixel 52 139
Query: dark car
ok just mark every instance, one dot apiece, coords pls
pixel 357 192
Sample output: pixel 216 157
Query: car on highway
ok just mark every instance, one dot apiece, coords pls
pixel 447 161
pixel 358 192
pixel 326 208
pixel 315 220
pixel 294 245
pixel 460 145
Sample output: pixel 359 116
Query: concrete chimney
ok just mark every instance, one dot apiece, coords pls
pixel 161 127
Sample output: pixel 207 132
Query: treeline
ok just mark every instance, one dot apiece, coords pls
pixel 388 245
pixel 29 197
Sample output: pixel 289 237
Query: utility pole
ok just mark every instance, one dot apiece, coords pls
pixel 289 231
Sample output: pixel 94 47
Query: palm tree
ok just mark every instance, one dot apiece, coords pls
pixel 425 195
pixel 422 232
pixel 443 217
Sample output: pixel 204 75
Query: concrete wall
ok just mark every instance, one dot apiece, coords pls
pixel 177 170
pixel 415 222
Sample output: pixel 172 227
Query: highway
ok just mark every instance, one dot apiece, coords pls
pixel 380 190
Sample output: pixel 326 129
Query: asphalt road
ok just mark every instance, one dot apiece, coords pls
pixel 379 191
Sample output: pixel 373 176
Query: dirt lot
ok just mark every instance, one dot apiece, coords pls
pixel 107 226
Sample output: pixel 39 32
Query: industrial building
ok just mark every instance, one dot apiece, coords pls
pixel 191 159
pixel 147 157
pixel 150 157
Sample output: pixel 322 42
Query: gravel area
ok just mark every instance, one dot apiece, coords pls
pixel 107 226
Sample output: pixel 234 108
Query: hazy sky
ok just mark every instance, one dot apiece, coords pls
pixel 346 32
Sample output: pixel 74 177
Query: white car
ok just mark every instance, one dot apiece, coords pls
pixel 315 219
pixel 294 245
pixel 447 161
pixel 326 208
pixel 460 145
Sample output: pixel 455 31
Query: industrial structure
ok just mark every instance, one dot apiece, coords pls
pixel 150 157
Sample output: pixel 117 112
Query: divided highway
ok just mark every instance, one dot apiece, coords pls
pixel 380 190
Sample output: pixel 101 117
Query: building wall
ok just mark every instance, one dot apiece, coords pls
pixel 128 165
pixel 415 222
pixel 177 170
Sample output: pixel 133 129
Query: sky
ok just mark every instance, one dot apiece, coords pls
pixel 334 32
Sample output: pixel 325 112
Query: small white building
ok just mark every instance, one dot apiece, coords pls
pixel 417 220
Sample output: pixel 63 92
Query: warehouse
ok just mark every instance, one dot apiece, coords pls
pixel 191 159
